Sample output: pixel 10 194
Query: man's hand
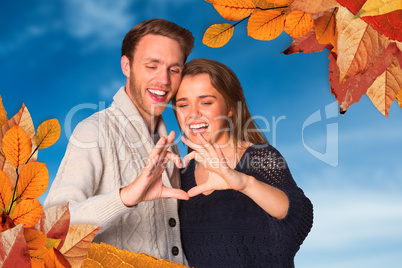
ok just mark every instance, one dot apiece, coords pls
pixel 148 186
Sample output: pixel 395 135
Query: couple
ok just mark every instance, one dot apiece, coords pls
pixel 240 206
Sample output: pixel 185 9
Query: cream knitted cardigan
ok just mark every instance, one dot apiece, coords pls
pixel 106 152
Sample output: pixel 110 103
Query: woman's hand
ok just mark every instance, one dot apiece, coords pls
pixel 221 176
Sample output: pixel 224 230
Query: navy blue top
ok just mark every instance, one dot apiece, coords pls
pixel 228 229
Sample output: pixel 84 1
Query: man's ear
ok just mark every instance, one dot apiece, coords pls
pixel 125 65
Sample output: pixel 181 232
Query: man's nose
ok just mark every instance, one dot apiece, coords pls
pixel 163 77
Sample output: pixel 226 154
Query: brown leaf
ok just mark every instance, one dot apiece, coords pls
pixel 53 258
pixel 266 25
pixel 6 222
pixel 313 6
pixel 17 146
pixel 33 181
pixel 24 120
pixel 307 44
pixel 298 23
pixel 234 9
pixel 5 190
pixel 386 87
pixel 48 133
pixel 399 98
pixel 34 239
pixel 13 248
pixel 55 223
pixel 77 243
pixel 351 91
pixel 3 114
pixel 218 35
pixel 359 45
pixel 27 212
pixel 325 28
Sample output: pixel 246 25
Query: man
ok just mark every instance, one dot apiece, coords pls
pixel 113 175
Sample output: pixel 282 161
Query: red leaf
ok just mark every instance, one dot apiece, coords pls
pixel 55 222
pixel 13 248
pixel 6 222
pixel 389 24
pixel 356 86
pixel 307 44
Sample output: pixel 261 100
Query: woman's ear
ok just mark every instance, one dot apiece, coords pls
pixel 230 113
pixel 125 66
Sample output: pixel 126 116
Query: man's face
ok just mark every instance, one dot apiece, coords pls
pixel 155 73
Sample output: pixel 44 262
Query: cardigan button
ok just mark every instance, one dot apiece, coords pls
pixel 175 251
pixel 172 222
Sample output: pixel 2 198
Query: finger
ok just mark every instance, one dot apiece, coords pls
pixel 174 193
pixel 199 190
pixel 150 165
pixel 169 140
pixel 175 159
pixel 208 146
pixel 188 158
pixel 193 145
pixel 158 147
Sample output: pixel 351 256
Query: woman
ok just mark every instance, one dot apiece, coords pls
pixel 246 210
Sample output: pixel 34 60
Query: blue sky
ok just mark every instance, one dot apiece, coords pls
pixel 62 59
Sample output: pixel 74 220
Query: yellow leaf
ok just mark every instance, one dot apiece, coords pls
pixel 37 263
pixel 54 259
pixel 35 239
pixel 77 243
pixel 264 4
pixel 378 7
pixel 298 23
pixel 33 181
pixel 313 6
pixel 5 189
pixel 325 27
pixel 386 87
pixel 359 45
pixel 27 212
pixel 234 9
pixel 218 35
pixel 3 113
pixel 52 243
pixel 17 146
pixel 266 25
pixel 48 133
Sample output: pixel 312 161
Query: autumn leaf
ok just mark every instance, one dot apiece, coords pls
pixel 277 4
pixel 399 98
pixel 34 239
pixel 325 28
pixel 17 146
pixel 385 88
pixel 359 45
pixel 48 133
pixel 3 114
pixel 5 190
pixel 55 222
pixel 27 212
pixel 355 87
pixel 378 7
pixel 37 256
pixel 52 243
pixel 298 23
pixel 266 25
pixel 6 222
pixel 307 44
pixel 389 24
pixel 234 9
pixel 54 259
pixel 13 248
pixel 33 180
pixel 313 6
pixel 218 35
pixel 77 243
pixel 24 120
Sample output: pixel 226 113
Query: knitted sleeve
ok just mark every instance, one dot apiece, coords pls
pixel 79 176
pixel 266 164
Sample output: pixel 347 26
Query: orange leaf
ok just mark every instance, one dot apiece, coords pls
pixel 234 9
pixel 325 28
pixel 6 222
pixel 5 189
pixel 13 249
pixel 24 120
pixel 218 35
pixel 266 25
pixel 28 212
pixel 17 146
pixel 77 243
pixel 35 239
pixel 37 263
pixel 307 44
pixel 313 6
pixel 33 181
pixel 3 113
pixel 298 23
pixel 399 98
pixel 386 87
pixel 53 258
pixel 55 222
pixel 264 4
pixel 359 45
pixel 48 133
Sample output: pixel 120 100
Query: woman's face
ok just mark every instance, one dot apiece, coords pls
pixel 202 109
